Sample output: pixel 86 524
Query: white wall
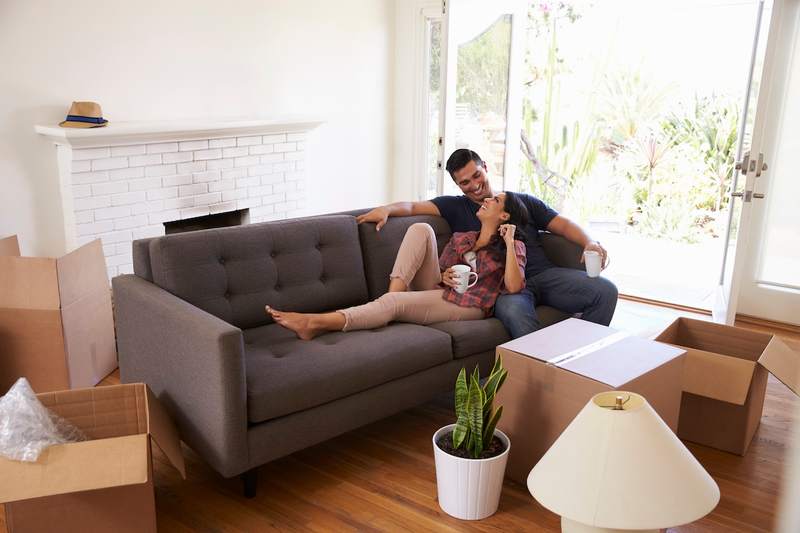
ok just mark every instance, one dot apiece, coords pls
pixel 409 117
pixel 151 60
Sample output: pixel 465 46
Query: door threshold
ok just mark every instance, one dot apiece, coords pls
pixel 740 318
pixel 668 305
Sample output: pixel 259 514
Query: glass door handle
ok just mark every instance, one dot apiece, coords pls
pixel 747 195
pixel 742 165
pixel 761 165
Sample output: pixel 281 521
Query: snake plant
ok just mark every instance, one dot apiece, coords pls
pixel 476 418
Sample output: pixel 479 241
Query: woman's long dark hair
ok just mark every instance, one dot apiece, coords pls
pixel 517 215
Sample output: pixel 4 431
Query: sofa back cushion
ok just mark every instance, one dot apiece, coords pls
pixel 380 247
pixel 304 265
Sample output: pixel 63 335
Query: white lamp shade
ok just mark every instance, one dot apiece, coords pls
pixel 622 469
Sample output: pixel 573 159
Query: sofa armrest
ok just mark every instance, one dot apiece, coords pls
pixel 193 362
pixel 562 252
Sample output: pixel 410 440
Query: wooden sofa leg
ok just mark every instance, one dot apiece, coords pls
pixel 250 482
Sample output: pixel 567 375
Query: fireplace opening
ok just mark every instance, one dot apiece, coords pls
pixel 217 220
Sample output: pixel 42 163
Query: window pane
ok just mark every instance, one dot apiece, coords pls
pixel 482 96
pixel 780 259
pixel 434 105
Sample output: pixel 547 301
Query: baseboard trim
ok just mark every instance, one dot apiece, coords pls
pixel 659 303
pixel 740 318
pixel 771 324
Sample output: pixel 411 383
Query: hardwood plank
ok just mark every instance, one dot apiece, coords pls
pixel 381 477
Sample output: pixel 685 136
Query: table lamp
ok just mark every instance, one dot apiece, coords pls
pixel 618 467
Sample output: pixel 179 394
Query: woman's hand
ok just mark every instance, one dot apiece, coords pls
pixel 449 278
pixel 507 233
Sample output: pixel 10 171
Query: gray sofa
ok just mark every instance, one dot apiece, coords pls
pixel 244 391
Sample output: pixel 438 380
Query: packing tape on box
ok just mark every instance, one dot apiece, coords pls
pixel 583 351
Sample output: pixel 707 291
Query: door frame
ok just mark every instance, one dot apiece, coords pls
pixel 511 156
pixel 759 297
pixel 752 215
pixel 409 165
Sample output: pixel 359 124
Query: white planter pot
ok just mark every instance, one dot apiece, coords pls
pixel 469 489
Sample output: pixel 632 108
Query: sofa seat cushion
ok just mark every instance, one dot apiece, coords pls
pixel 474 336
pixel 286 375
pixel 470 337
pixel 550 315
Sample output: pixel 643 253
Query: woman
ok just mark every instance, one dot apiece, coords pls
pixel 415 287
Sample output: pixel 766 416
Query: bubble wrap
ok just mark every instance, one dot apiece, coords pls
pixel 27 427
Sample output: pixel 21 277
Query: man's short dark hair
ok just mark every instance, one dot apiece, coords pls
pixel 461 158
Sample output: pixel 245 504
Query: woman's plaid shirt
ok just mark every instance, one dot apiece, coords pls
pixel 490 270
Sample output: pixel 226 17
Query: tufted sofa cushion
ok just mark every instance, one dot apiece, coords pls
pixel 286 375
pixel 297 265
pixel 473 336
pixel 379 248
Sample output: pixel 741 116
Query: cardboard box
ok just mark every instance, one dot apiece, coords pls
pixel 56 323
pixel 725 380
pixel 553 372
pixel 104 484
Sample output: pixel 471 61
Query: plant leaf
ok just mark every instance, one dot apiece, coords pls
pixel 498 365
pixel 476 446
pixel 461 394
pixel 493 383
pixel 502 380
pixel 475 415
pixel 488 431
pixel 460 431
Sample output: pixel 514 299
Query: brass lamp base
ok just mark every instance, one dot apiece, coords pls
pixel 570 526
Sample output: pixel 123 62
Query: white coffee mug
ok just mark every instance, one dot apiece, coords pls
pixel 462 275
pixel 594 263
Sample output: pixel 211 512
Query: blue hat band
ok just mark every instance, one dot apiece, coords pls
pixel 90 120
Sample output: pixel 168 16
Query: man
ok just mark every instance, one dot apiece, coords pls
pixel 567 289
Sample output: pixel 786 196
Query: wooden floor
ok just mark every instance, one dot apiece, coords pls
pixel 381 477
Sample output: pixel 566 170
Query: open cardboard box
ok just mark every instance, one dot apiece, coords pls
pixel 554 372
pixel 103 484
pixel 725 380
pixel 56 323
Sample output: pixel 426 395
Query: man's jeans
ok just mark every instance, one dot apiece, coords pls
pixel 566 289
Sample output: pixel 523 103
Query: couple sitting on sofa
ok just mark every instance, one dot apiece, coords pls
pixel 501 230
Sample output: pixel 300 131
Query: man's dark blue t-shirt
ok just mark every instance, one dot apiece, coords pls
pixel 460 213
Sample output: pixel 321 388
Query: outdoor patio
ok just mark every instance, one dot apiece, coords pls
pixel 668 271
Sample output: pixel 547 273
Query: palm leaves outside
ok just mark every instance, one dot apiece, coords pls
pixel 476 418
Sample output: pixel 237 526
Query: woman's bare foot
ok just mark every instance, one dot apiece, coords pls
pixel 301 323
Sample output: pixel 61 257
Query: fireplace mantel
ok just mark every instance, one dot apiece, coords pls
pixel 122 182
pixel 125 133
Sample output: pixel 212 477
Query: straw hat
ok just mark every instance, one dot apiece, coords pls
pixel 84 115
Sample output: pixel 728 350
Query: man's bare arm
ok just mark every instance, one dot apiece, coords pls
pixel 571 231
pixel 381 214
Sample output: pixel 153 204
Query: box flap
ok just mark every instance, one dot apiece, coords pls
pixel 560 338
pixel 623 361
pixel 782 362
pixel 717 376
pixel 164 433
pixel 28 283
pixel 716 338
pixel 597 352
pixel 102 412
pixel 32 345
pixel 82 272
pixel 78 466
pixel 89 338
pixel 9 246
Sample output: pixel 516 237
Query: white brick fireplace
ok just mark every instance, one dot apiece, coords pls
pixel 122 182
